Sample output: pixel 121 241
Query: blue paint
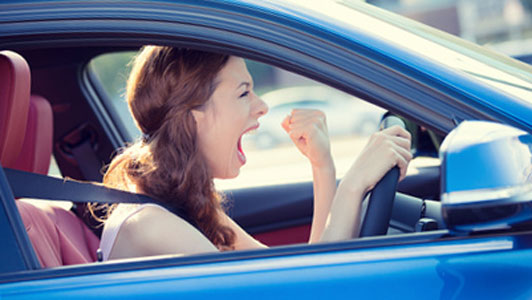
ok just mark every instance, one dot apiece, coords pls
pixel 444 271
pixel 483 155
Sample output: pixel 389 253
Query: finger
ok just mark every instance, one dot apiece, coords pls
pixel 306 110
pixel 298 136
pixel 299 114
pixel 310 127
pixel 315 116
pixel 402 163
pixel 405 154
pixel 397 131
pixel 307 130
pixel 403 160
pixel 286 123
pixel 401 142
pixel 307 118
pixel 306 123
pixel 400 150
pixel 299 129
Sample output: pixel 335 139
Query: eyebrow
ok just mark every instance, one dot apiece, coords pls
pixel 244 83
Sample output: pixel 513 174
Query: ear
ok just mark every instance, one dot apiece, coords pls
pixel 199 116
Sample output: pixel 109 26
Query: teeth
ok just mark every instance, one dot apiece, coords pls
pixel 253 131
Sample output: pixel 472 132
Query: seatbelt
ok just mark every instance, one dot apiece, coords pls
pixel 37 186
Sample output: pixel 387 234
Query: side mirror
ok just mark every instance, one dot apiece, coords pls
pixel 486 180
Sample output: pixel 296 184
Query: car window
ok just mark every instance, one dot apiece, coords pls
pixel 272 158
pixel 110 72
pixel 54 168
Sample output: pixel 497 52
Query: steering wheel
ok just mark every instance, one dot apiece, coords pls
pixel 379 211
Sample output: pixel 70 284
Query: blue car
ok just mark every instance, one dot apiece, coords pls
pixel 456 228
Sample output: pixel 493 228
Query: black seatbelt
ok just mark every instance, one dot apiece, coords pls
pixel 37 186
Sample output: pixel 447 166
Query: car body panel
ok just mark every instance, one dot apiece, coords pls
pixel 448 269
pixel 292 38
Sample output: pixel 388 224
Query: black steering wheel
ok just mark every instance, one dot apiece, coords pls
pixel 379 211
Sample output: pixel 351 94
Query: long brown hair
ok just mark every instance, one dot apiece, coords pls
pixel 165 84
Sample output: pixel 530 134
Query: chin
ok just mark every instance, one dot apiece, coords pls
pixel 233 174
pixel 229 174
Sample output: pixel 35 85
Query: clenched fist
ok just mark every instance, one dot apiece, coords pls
pixel 308 130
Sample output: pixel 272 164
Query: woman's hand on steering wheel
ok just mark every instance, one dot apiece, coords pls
pixel 384 150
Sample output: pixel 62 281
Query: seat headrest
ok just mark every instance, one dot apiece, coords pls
pixel 14 101
pixel 37 147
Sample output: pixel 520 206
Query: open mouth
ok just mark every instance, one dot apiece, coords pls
pixel 240 152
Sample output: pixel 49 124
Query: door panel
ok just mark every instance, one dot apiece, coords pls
pixel 424 182
pixel 282 214
pixel 286 236
pixel 454 268
pixel 270 208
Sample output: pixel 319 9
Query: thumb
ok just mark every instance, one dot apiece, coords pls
pixel 286 124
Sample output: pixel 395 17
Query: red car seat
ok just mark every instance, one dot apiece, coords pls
pixel 57 235
pixel 36 151
pixel 14 102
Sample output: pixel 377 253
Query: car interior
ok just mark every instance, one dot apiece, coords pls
pixel 52 110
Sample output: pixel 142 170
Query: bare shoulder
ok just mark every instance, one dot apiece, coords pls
pixel 156 231
pixel 155 217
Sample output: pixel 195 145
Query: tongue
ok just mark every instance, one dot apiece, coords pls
pixel 241 155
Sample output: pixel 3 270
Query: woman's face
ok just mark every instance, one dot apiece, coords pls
pixel 232 111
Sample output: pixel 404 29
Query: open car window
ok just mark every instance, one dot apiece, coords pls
pixel 281 216
pixel 272 157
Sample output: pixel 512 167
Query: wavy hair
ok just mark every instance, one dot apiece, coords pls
pixel 164 86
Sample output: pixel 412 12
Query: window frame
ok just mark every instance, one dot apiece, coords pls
pixel 19 250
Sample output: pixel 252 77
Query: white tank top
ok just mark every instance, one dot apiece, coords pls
pixel 112 225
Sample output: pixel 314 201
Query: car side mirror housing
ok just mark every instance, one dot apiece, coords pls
pixel 486 180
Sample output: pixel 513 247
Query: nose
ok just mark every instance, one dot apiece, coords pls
pixel 261 108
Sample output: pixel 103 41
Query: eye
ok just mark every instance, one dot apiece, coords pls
pixel 244 94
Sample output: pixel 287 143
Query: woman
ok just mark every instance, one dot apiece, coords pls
pixel 193 108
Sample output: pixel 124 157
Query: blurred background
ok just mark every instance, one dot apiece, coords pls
pixel 502 25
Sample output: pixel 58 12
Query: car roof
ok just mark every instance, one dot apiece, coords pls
pixel 480 78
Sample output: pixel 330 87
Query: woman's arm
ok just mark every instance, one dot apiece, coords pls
pixel 324 186
pixel 337 210
pixel 308 130
pixel 243 240
pixel 385 149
